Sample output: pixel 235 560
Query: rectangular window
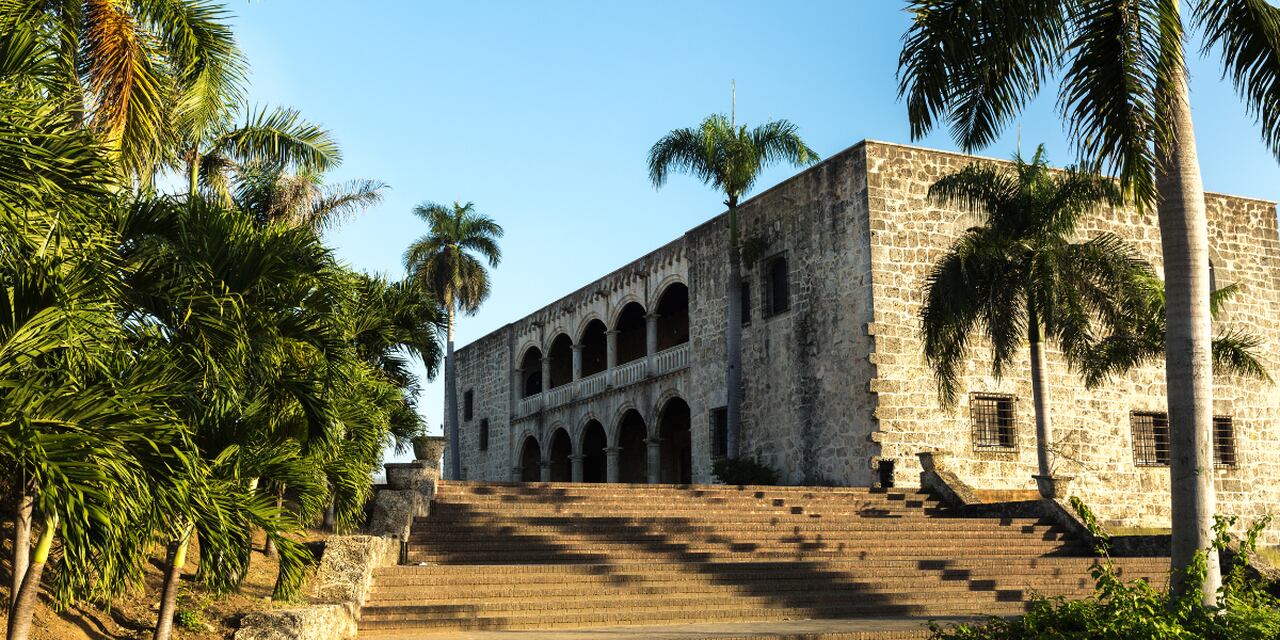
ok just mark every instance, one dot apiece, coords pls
pixel 719 432
pixel 1150 438
pixel 993 422
pixel 746 303
pixel 777 284
pixel 466 405
pixel 484 435
pixel 1224 441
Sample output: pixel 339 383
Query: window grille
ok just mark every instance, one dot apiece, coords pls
pixel 994 427
pixel 778 284
pixel 1150 438
pixel 467 404
pixel 484 435
pixel 1224 441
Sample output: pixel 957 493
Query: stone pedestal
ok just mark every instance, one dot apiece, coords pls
pixel 1053 487
pixel 429 448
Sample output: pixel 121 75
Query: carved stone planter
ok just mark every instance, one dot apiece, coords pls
pixel 429 448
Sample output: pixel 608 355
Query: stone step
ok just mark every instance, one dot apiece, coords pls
pixel 902 628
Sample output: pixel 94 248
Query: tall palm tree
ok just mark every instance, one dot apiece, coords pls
pixel 442 262
pixel 1018 278
pixel 1124 94
pixel 729 158
pixel 142 73
pixel 273 141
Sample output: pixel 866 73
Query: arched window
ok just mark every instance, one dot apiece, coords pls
pixel 777 284
pixel 531 373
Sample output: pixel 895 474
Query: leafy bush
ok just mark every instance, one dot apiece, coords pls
pixel 189 620
pixel 744 471
pixel 1121 610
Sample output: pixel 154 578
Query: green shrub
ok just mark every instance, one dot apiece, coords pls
pixel 1121 610
pixel 188 620
pixel 744 471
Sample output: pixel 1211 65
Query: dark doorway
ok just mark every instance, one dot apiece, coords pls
pixel 631 339
pixel 673 316
pixel 594 460
pixel 676 463
pixel 561 449
pixel 531 373
pixel 561 368
pixel 632 460
pixel 531 461
pixel 595 346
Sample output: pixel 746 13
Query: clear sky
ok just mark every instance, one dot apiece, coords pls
pixel 542 114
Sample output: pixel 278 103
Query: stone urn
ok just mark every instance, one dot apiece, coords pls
pixel 429 448
pixel 1053 487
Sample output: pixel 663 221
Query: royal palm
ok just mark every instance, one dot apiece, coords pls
pixel 729 157
pixel 442 262
pixel 1019 280
pixel 1122 71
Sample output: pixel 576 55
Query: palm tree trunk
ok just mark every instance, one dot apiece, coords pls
pixel 24 607
pixel 1040 396
pixel 269 547
pixel 451 401
pixel 1184 238
pixel 175 560
pixel 330 521
pixel 23 506
pixel 733 338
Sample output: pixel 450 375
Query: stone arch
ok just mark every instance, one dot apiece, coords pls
pixel 675 433
pixel 593 441
pixel 559 449
pixel 588 318
pixel 595 347
pixel 530 460
pixel 560 352
pixel 530 367
pixel 622 303
pixel 673 316
pixel 630 325
pixel 618 414
pixel 632 430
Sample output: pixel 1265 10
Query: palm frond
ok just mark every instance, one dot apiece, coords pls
pixel 1247 33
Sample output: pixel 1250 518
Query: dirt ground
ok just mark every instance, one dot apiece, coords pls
pixel 133 615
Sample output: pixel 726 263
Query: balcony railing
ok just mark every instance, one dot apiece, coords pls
pixel 661 363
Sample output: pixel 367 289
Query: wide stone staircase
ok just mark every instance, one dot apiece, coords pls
pixel 552 557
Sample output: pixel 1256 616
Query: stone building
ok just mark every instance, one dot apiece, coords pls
pixel 623 379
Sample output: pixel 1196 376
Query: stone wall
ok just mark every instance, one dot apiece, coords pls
pixel 484 368
pixel 1092 428
pixel 807 409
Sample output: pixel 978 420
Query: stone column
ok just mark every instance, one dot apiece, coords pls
pixel 546 470
pixel 546 373
pixel 654 459
pixel 651 342
pixel 517 387
pixel 577 362
pixel 575 462
pixel 611 349
pixel 611 455
pixel 515 473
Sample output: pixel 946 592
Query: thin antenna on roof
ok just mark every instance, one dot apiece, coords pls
pixel 733 103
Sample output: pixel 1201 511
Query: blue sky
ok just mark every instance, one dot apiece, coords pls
pixel 542 114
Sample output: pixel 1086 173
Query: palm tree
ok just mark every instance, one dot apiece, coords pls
pixel 1018 279
pixel 1124 94
pixel 729 158
pixel 272 141
pixel 442 262
pixel 273 195
pixel 143 74
pixel 1142 341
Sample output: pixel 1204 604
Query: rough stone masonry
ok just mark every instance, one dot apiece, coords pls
pixel 623 378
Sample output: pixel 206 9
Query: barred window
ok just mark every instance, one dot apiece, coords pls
pixel 746 303
pixel 467 404
pixel 1150 438
pixel 777 284
pixel 484 434
pixel 994 428
pixel 1224 441
pixel 719 432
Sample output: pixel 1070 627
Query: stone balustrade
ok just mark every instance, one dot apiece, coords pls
pixel 661 363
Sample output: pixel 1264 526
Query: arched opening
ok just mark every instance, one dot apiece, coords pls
pixel 632 460
pixel 676 462
pixel 561 369
pixel 673 316
pixel 561 449
pixel 778 284
pixel 531 373
pixel 531 461
pixel 594 461
pixel 595 348
pixel 630 328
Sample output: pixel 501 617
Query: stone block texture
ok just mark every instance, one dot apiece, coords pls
pixel 834 380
